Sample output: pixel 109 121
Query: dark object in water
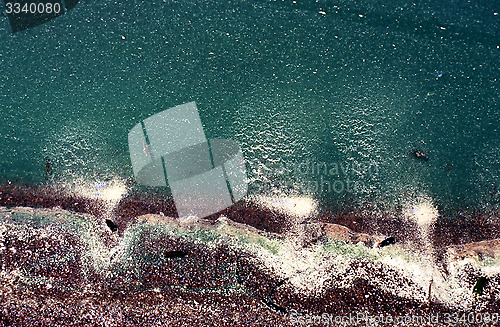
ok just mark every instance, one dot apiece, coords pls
pixel 419 154
pixel 47 166
pixel 175 254
pixel 478 288
pixel 111 225
pixel 387 241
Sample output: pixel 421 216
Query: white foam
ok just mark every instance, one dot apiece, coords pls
pixel 295 206
pixel 422 211
pixel 108 192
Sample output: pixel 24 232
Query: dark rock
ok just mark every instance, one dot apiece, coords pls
pixel 387 241
pixel 111 225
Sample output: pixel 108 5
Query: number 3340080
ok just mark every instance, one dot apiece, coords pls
pixel 32 8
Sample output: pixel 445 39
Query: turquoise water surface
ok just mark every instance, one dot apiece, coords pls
pixel 327 98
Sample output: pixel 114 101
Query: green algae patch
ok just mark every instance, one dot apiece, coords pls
pixel 354 251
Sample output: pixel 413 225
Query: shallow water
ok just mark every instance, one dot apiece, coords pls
pixel 302 86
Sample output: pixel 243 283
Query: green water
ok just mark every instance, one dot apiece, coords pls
pixel 312 83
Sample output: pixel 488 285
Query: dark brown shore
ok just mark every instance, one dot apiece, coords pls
pixel 247 297
pixel 458 227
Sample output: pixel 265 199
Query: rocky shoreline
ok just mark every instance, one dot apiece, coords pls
pixel 64 267
pixel 459 227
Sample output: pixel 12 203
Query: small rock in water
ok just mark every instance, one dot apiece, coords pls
pixel 111 225
pixel 419 154
pixel 387 241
